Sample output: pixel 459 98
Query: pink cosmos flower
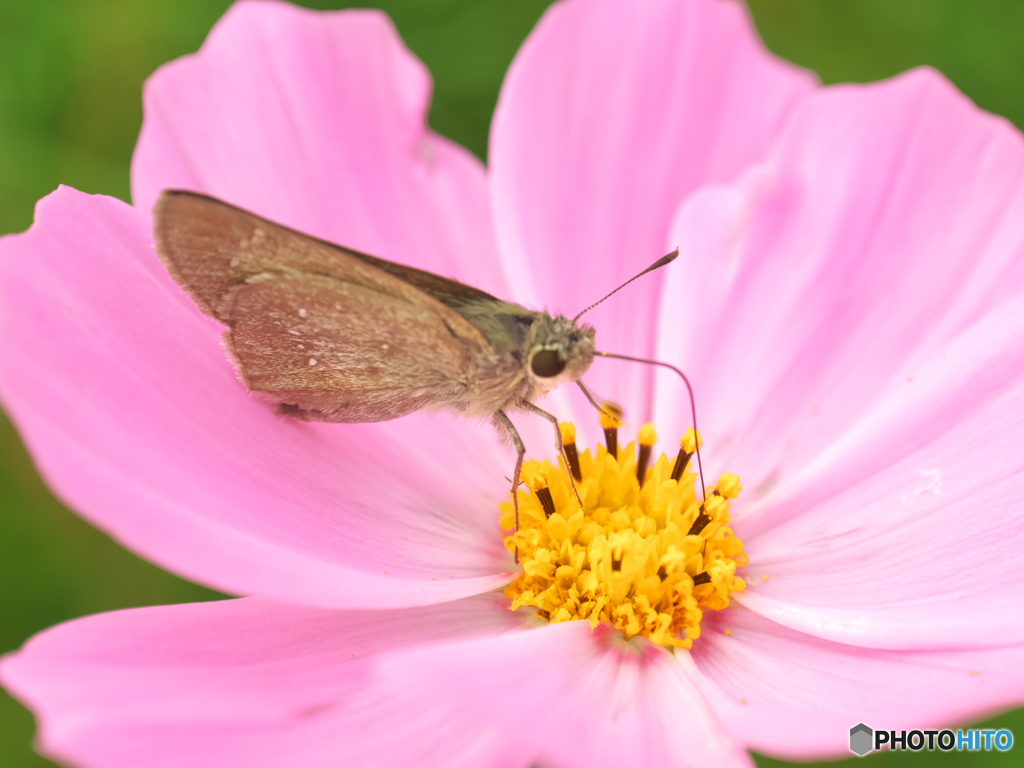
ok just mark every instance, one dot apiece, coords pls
pixel 849 304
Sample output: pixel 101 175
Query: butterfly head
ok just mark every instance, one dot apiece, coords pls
pixel 559 350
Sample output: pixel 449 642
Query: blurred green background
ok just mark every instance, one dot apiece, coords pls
pixel 70 79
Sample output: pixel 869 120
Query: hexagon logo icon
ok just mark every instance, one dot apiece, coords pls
pixel 860 739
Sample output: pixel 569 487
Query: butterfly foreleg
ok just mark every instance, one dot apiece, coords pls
pixel 528 406
pixel 502 421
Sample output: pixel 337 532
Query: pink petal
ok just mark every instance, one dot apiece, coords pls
pixel 906 536
pixel 317 120
pixel 858 360
pixel 791 695
pixel 887 220
pixel 246 683
pixel 610 115
pixel 132 411
pixel 572 697
pixel 250 683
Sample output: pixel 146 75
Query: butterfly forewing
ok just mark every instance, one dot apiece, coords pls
pixel 321 329
pixel 339 351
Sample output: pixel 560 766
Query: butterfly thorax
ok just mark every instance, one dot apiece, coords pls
pixel 533 352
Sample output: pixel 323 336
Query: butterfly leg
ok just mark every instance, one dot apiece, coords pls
pixel 505 424
pixel 528 406
pixel 591 400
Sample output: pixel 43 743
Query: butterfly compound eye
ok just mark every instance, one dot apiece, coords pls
pixel 546 364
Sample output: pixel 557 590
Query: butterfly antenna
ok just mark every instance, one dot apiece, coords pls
pixel 666 259
pixel 693 403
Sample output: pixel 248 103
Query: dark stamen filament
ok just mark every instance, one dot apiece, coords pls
pixel 610 420
pixel 701 578
pixel 641 462
pixel 699 524
pixel 682 460
pixel 574 460
pixel 544 494
pixel 611 439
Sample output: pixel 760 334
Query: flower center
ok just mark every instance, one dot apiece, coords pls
pixel 642 553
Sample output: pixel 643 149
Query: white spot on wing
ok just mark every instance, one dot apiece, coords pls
pixel 302 313
pixel 312 361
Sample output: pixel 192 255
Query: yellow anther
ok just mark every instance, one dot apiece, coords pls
pixel 647 435
pixel 611 416
pixel 533 478
pixel 729 485
pixel 568 432
pixel 687 441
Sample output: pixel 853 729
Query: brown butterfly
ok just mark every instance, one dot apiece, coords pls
pixel 330 334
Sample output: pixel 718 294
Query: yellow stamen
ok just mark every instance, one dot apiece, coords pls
pixel 568 432
pixel 690 440
pixel 647 438
pixel 687 445
pixel 647 435
pixel 728 485
pixel 648 558
pixel 610 418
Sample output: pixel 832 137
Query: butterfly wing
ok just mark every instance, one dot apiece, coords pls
pixel 443 289
pixel 210 247
pixel 319 328
pixel 339 351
